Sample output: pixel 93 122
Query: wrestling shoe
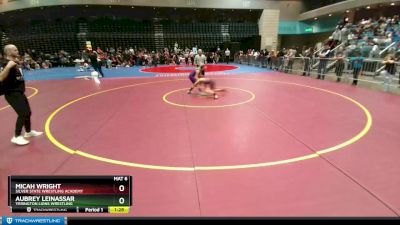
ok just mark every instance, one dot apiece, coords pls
pixel 19 140
pixel 33 133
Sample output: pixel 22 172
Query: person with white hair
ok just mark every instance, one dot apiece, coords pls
pixel 227 55
pixel 13 84
pixel 200 58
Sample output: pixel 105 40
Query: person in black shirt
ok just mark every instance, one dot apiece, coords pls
pixel 13 85
pixel 95 62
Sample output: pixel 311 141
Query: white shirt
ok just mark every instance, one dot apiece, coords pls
pixel 200 59
pixel 227 52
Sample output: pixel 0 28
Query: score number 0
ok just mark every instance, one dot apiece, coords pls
pixel 121 200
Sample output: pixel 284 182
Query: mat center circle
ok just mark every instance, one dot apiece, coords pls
pixel 229 97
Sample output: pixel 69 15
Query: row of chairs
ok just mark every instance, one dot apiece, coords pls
pixel 105 42
pixel 51 28
pixel 53 37
pixel 47 45
pixel 119 28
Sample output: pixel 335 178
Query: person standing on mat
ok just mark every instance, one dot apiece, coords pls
pixel 13 85
pixel 200 58
pixel 96 63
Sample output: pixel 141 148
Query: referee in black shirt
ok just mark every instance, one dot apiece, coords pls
pixel 13 85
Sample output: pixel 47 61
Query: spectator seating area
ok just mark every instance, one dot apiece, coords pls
pixel 50 37
pixel 125 33
pixel 44 37
pixel 372 38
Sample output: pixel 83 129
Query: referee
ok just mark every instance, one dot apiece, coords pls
pixel 200 58
pixel 13 85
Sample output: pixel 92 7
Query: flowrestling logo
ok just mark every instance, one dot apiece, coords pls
pixel 33 220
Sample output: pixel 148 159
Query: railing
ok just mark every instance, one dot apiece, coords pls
pixel 334 52
pixel 387 48
pixel 371 73
pixel 338 46
pixel 318 51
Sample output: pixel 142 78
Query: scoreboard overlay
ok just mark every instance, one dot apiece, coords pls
pixel 70 194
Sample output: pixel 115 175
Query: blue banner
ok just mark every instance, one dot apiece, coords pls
pixel 16 220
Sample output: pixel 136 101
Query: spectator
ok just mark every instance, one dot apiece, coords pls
pixel 308 54
pixel 323 61
pixel 339 65
pixel 389 71
pixel 227 55
pixel 337 37
pixel 357 62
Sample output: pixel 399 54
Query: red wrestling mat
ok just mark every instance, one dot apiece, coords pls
pixel 271 145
